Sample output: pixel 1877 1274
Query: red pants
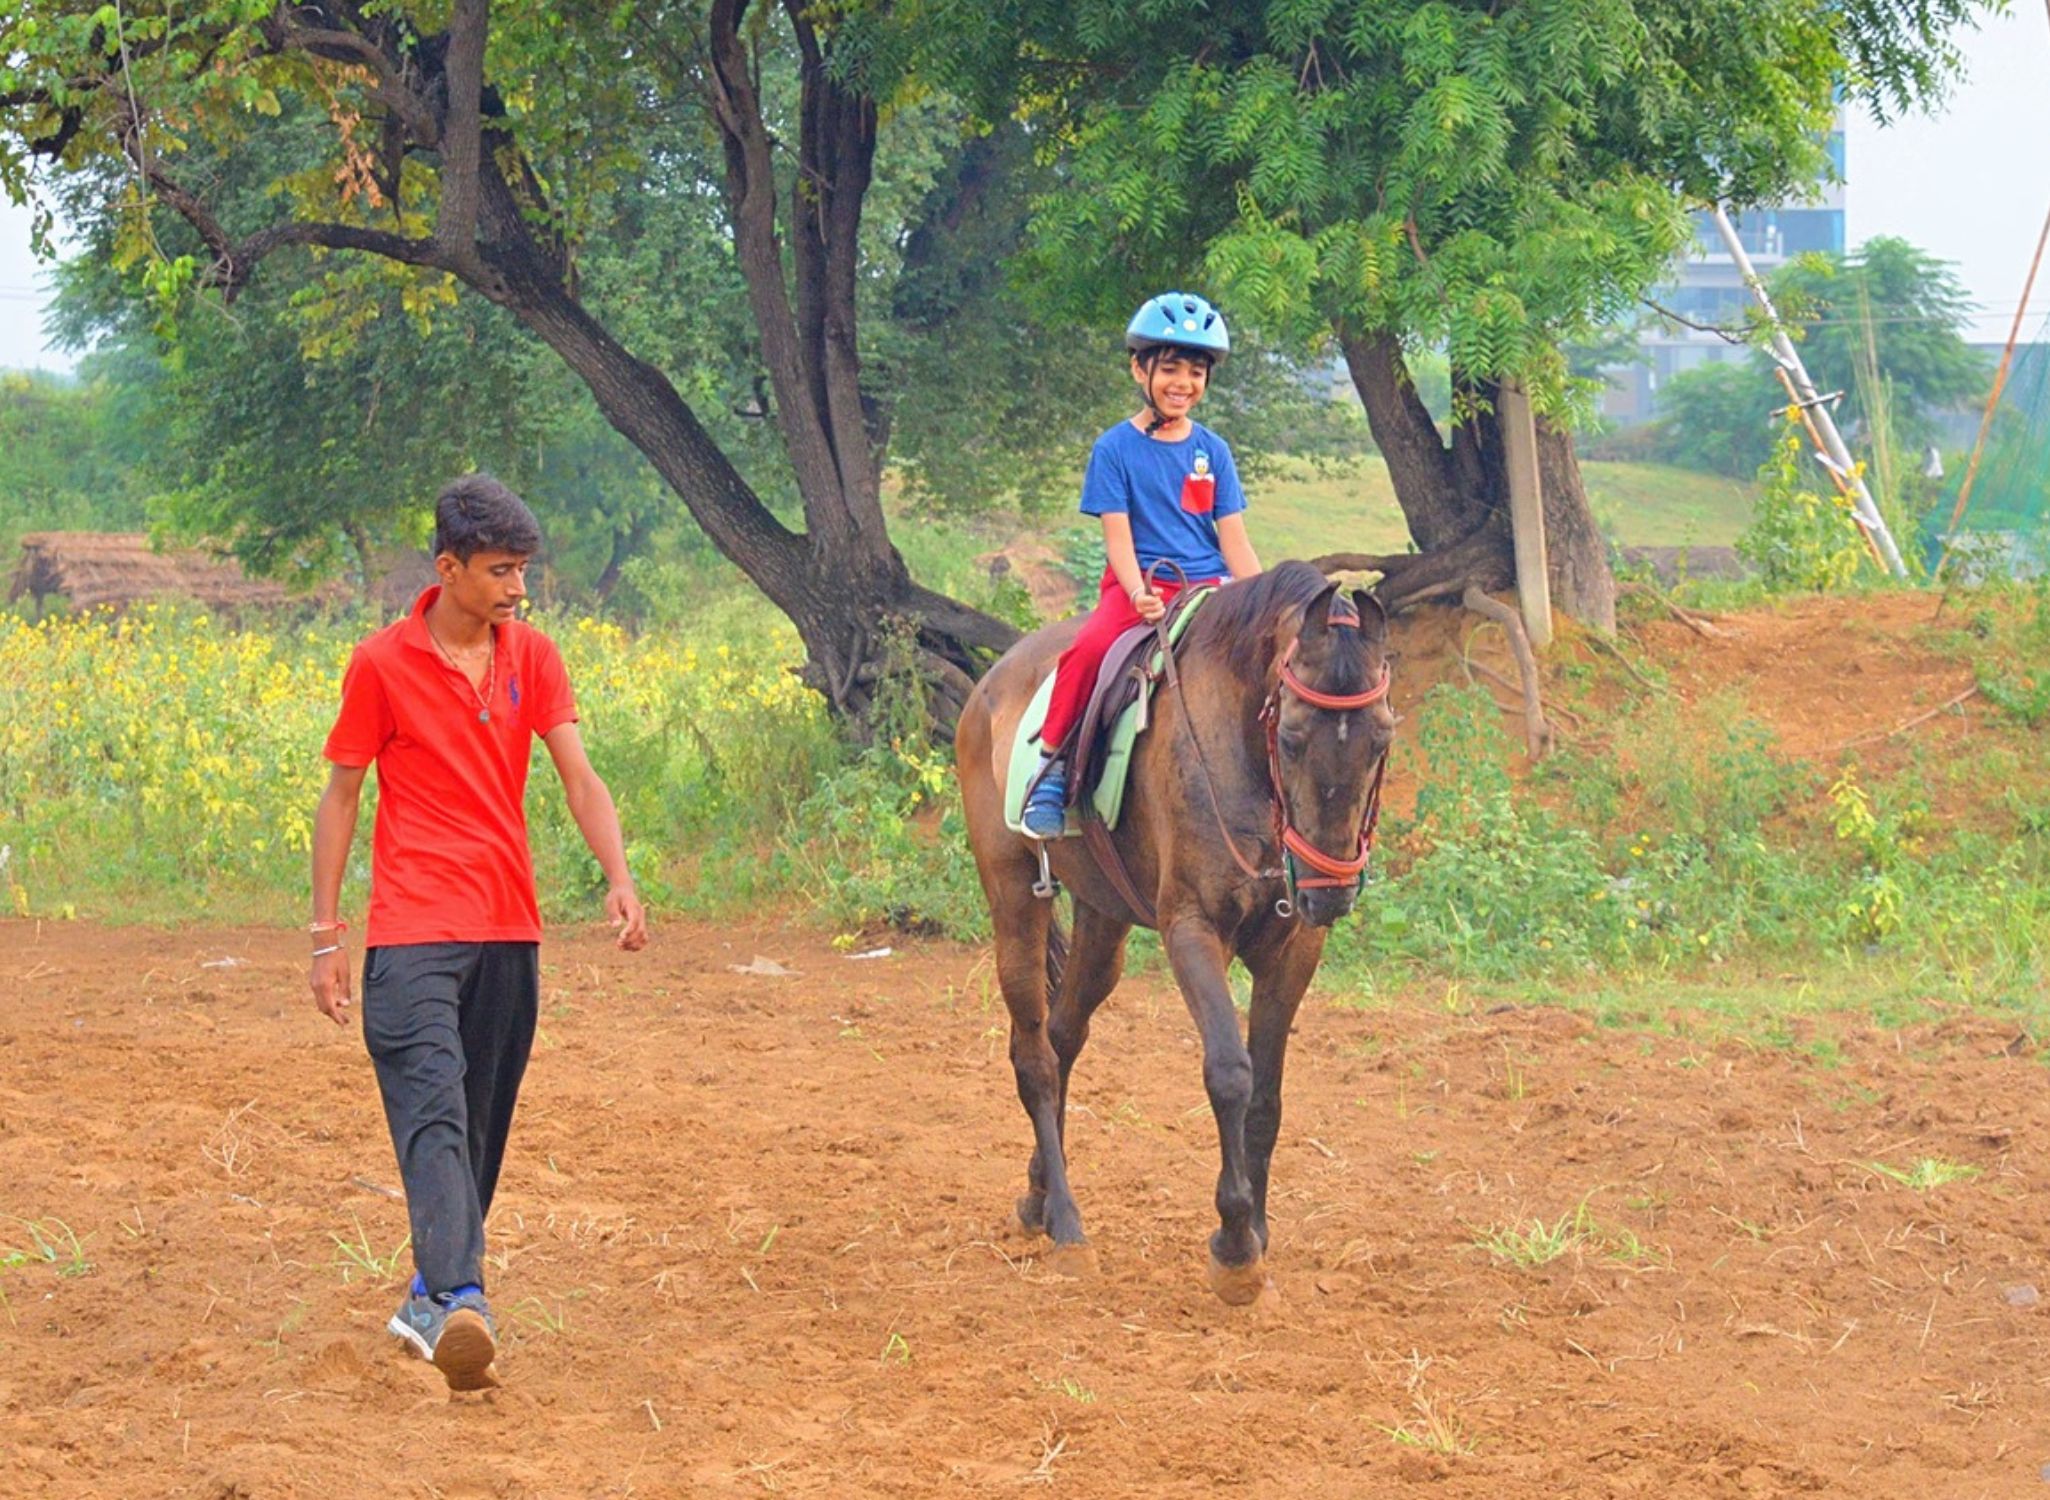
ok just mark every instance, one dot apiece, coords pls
pixel 1075 676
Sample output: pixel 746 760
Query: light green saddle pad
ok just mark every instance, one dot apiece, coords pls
pixel 1108 797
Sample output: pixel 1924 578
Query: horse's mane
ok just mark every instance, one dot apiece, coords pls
pixel 1237 627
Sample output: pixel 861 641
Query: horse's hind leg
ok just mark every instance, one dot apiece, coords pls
pixel 1095 962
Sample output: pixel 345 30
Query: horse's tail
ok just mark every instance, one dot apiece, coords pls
pixel 1056 956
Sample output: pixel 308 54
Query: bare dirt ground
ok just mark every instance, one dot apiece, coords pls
pixel 751 1240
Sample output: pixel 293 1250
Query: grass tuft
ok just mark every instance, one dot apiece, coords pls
pixel 1927 1174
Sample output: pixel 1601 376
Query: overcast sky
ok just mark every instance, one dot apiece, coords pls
pixel 1960 184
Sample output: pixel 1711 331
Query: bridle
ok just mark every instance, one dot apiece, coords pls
pixel 1331 871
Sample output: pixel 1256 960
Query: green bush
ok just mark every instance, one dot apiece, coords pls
pixel 1714 420
pixel 1800 538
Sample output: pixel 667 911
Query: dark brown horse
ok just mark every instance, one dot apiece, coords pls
pixel 1214 790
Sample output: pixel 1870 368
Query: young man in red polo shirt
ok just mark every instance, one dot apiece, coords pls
pixel 445 704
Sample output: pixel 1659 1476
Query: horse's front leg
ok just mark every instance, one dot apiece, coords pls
pixel 1280 976
pixel 1199 958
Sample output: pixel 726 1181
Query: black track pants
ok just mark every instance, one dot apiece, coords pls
pixel 449 1027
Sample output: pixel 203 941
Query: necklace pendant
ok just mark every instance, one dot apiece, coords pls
pixel 483 716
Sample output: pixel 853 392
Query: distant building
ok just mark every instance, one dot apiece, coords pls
pixel 1708 290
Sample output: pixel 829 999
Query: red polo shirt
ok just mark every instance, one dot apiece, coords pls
pixel 449 863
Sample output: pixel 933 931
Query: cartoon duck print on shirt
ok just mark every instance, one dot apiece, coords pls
pixel 1199 486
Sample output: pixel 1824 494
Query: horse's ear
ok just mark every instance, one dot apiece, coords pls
pixel 1373 618
pixel 1316 622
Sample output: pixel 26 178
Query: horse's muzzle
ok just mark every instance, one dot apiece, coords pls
pixel 1322 906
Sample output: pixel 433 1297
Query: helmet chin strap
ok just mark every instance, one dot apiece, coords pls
pixel 1160 418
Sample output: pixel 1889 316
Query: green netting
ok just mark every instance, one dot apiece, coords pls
pixel 2007 517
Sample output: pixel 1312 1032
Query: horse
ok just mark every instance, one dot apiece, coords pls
pixel 1264 755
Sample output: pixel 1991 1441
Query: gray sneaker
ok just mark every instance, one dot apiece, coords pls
pixel 455 1332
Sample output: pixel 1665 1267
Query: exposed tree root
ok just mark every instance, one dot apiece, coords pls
pixel 1695 621
pixel 1628 665
pixel 1906 724
pixel 1537 733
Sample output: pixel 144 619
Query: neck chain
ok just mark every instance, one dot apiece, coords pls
pixel 490 673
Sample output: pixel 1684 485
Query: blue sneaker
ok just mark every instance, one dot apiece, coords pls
pixel 1046 813
pixel 454 1331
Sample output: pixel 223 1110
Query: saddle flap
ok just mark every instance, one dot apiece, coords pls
pixel 1118 712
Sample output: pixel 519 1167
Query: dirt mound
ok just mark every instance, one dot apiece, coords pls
pixel 750 1240
pixel 1832 679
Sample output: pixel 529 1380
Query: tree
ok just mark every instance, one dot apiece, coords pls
pixel 1494 177
pixel 309 428
pixel 1718 419
pixel 474 142
pixel 1892 309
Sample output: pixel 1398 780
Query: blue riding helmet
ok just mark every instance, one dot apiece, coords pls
pixel 1181 319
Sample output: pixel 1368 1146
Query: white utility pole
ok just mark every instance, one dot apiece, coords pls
pixel 1834 451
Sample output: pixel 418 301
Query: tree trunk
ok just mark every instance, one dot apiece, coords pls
pixel 626 541
pixel 1455 497
pixel 842 582
pixel 366 565
pixel 841 588
pixel 1577 553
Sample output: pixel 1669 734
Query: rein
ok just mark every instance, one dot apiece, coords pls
pixel 1331 871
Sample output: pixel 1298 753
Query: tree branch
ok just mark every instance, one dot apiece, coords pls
pixel 751 199
pixel 1727 335
pixel 69 121
pixel 1402 425
pixel 388 88
pixel 234 259
pixel 971 627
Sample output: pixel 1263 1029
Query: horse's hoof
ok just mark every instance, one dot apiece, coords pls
pixel 1031 1215
pixel 1240 1286
pixel 1076 1261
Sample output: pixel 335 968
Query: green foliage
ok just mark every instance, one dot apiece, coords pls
pixel 164 767
pixel 1883 844
pixel 882 838
pixel 1800 538
pixel 1496 179
pixel 1675 845
pixel 1928 1173
pixel 1716 419
pixel 1537 1244
pixel 1497 886
pixel 67 458
pixel 2015 674
pixel 51 1242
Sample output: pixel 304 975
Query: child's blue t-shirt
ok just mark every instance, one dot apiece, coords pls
pixel 1173 493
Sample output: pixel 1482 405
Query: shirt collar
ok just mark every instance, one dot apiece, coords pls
pixel 414 630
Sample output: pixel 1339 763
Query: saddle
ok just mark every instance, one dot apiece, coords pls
pixel 1118 712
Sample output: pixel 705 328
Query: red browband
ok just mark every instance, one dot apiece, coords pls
pixel 1316 699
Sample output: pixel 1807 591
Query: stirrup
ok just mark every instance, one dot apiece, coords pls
pixel 1046 887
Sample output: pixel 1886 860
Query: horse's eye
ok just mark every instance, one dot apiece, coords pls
pixel 1292 741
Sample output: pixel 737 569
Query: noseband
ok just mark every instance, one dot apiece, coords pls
pixel 1331 871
